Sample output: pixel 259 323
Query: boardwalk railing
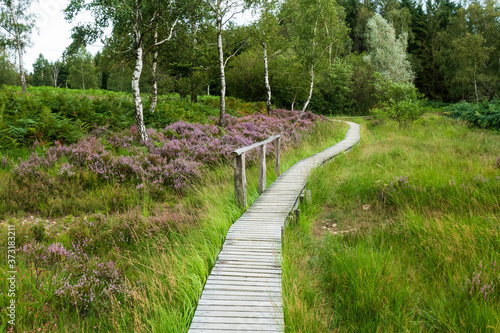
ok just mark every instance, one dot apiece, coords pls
pixel 240 179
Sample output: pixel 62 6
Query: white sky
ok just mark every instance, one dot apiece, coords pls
pixel 54 32
pixel 53 35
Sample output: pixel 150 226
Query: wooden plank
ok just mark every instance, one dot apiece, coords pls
pixel 231 302
pixel 263 289
pixel 237 320
pixel 257 297
pixel 218 308
pixel 229 314
pixel 236 328
pixel 262 169
pixel 233 269
pixel 243 291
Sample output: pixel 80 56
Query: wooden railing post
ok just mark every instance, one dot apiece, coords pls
pixel 262 169
pixel 240 181
pixel 277 156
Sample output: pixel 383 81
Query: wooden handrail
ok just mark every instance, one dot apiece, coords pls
pixel 240 180
pixel 240 151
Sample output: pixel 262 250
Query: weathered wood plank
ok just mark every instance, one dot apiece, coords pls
pixel 237 320
pixel 235 327
pixel 240 181
pixel 241 314
pixel 262 169
pixel 243 291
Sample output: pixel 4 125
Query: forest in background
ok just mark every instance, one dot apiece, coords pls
pixel 448 50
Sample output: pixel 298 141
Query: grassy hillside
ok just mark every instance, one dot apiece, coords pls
pixel 402 236
pixel 113 236
pixel 46 114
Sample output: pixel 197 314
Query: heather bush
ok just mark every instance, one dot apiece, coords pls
pixel 47 114
pixel 80 282
pixel 173 158
pixel 483 283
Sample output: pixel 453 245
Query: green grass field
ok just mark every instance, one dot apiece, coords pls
pixel 403 235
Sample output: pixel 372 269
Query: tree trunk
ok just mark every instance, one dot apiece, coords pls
pixel 55 75
pixel 19 47
pixel 222 117
pixel 475 83
pixel 83 75
pixel 136 93
pixel 154 93
pixel 266 79
pixel 194 96
pixel 310 92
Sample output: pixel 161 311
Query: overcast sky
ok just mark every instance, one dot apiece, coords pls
pixel 54 33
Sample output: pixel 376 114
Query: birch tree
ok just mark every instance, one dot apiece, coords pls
pixel 82 72
pixel 222 11
pixel 16 25
pixel 42 75
pixel 471 56
pixel 268 29
pixel 55 68
pixel 134 21
pixel 317 29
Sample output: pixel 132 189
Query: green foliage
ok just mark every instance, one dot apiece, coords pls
pixel 397 101
pixel 8 75
pixel 82 72
pixel 42 73
pixel 245 77
pixel 387 53
pixel 483 115
pixel 47 114
pixel 424 261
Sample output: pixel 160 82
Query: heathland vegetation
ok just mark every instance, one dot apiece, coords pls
pixel 402 234
pixel 116 235
pixel 121 194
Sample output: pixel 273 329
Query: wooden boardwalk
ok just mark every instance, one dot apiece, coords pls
pixel 243 291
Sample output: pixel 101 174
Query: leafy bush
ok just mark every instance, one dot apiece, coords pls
pixel 482 115
pixel 169 163
pixel 397 101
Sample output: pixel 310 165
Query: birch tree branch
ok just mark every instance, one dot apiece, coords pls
pixel 234 54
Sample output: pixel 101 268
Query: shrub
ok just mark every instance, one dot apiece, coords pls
pixel 482 115
pixel 397 101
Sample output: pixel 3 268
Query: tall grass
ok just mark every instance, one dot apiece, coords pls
pixel 422 253
pixel 164 250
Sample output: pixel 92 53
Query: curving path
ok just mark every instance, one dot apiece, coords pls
pixel 243 291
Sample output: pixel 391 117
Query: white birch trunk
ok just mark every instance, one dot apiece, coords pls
pixel 311 87
pixel 266 79
pixel 136 93
pixel 154 93
pixel 475 83
pixel 310 92
pixel 222 117
pixel 55 74
pixel 83 74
